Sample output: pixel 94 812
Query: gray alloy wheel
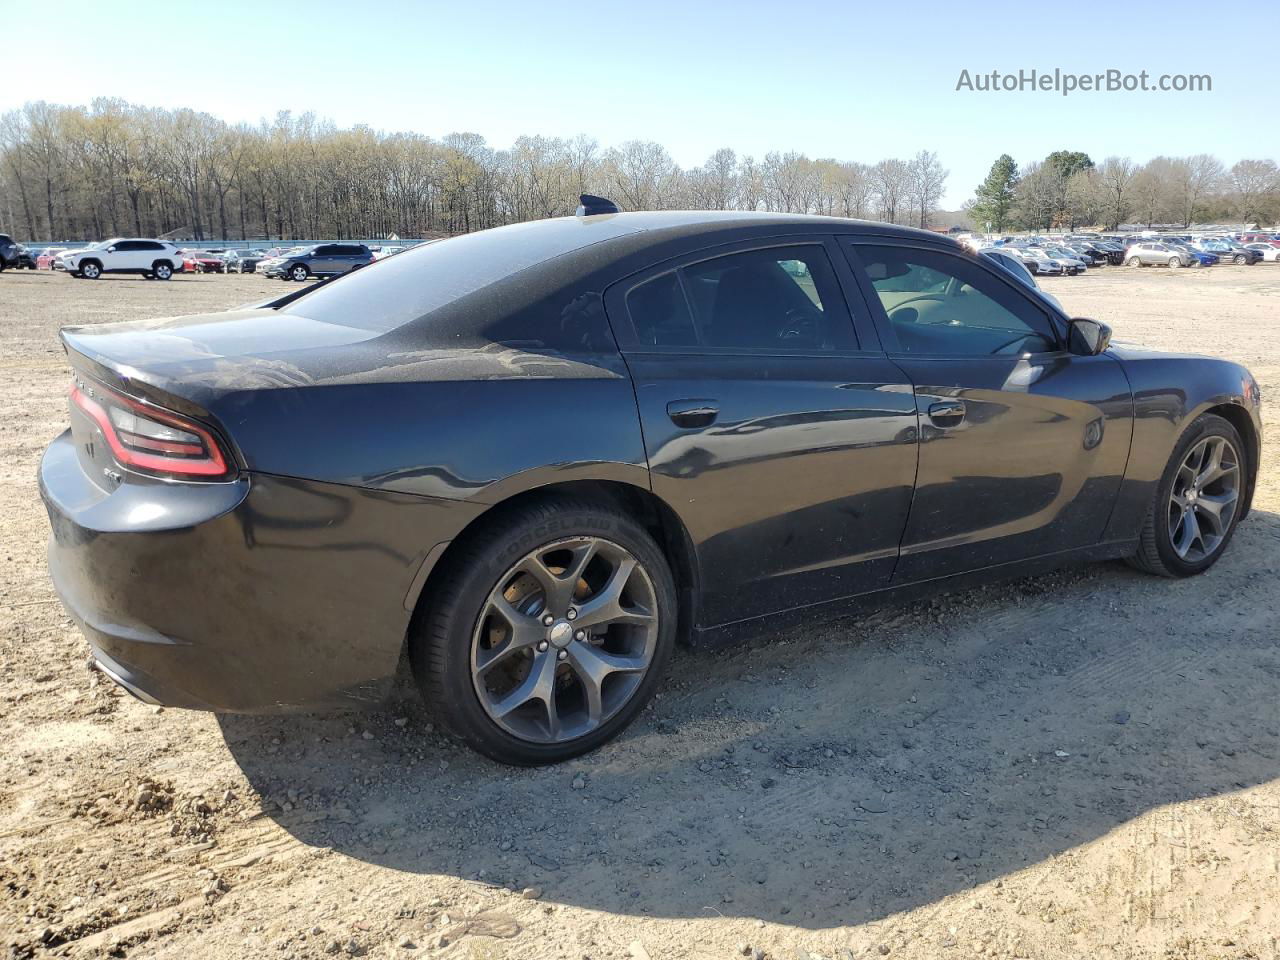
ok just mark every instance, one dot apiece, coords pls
pixel 523 690
pixel 1134 261
pixel 298 272
pixel 1240 258
pixel 1198 502
pixel 162 271
pixel 1174 263
pixel 1204 498
pixel 90 270
pixel 564 639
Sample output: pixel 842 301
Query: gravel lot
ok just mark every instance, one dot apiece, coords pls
pixel 1082 765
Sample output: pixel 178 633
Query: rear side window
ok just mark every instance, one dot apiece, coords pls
pixel 661 313
pixel 775 299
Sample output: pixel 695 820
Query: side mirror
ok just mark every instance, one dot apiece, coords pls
pixel 1087 338
pixel 111 249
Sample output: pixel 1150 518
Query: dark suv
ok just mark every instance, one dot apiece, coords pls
pixel 10 252
pixel 321 260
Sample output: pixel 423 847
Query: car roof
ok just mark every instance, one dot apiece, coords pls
pixel 691 223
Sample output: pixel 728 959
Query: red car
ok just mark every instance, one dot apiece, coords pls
pixel 197 261
pixel 46 258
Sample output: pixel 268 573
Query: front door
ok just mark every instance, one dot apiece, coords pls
pixel 785 443
pixel 1022 445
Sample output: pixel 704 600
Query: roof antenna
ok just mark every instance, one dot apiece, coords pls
pixel 590 206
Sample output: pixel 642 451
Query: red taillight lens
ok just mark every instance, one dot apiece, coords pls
pixel 151 440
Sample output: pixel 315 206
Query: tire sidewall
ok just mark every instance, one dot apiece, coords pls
pixel 1205 426
pixel 451 626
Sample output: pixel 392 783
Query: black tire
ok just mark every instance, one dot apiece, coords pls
pixel 1156 554
pixel 1241 259
pixel 162 270
pixel 441 635
pixel 299 272
pixel 1134 262
pixel 90 269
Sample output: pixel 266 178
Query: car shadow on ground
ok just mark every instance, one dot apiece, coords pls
pixel 838 774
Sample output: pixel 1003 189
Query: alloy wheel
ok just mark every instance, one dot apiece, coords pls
pixel 1203 500
pixel 564 639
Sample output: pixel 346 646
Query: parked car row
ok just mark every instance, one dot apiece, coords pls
pixel 158 259
pixel 1075 253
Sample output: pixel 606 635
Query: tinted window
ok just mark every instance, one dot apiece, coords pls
pixel 783 298
pixel 124 246
pixel 939 303
pixel 328 250
pixel 150 245
pixel 661 313
pixel 406 287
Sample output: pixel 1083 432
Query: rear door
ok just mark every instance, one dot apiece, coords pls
pixel 1022 445
pixel 774 427
pixel 324 259
pixel 349 255
pixel 127 255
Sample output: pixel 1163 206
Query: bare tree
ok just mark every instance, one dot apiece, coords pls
pixel 889 183
pixel 926 180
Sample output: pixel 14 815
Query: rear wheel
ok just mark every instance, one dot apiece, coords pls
pixel 548 631
pixel 162 270
pixel 1197 503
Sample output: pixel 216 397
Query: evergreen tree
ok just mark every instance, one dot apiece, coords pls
pixel 993 201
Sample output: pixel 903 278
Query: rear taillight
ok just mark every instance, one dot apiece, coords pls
pixel 149 439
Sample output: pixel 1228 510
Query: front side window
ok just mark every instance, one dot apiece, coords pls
pixel 942 304
pixel 777 299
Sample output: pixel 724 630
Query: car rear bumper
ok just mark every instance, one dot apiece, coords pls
pixel 259 595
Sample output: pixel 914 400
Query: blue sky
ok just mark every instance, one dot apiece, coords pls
pixel 850 80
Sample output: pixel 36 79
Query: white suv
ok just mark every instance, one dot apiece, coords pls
pixel 151 258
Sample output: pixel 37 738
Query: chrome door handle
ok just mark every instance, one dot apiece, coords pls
pixel 693 413
pixel 947 413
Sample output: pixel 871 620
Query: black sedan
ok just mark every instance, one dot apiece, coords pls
pixel 530 460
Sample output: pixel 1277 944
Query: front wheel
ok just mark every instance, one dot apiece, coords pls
pixel 299 272
pixel 1174 263
pixel 90 270
pixel 1240 259
pixel 1197 503
pixel 1134 262
pixel 547 631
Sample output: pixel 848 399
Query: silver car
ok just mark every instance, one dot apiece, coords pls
pixel 1153 253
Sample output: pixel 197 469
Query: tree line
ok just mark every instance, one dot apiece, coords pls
pixel 1068 190
pixel 112 168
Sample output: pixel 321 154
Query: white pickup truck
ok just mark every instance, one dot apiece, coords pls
pixel 151 258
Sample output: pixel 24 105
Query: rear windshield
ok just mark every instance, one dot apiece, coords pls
pixel 391 292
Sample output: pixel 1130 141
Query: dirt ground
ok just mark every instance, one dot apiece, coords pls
pixel 1081 765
